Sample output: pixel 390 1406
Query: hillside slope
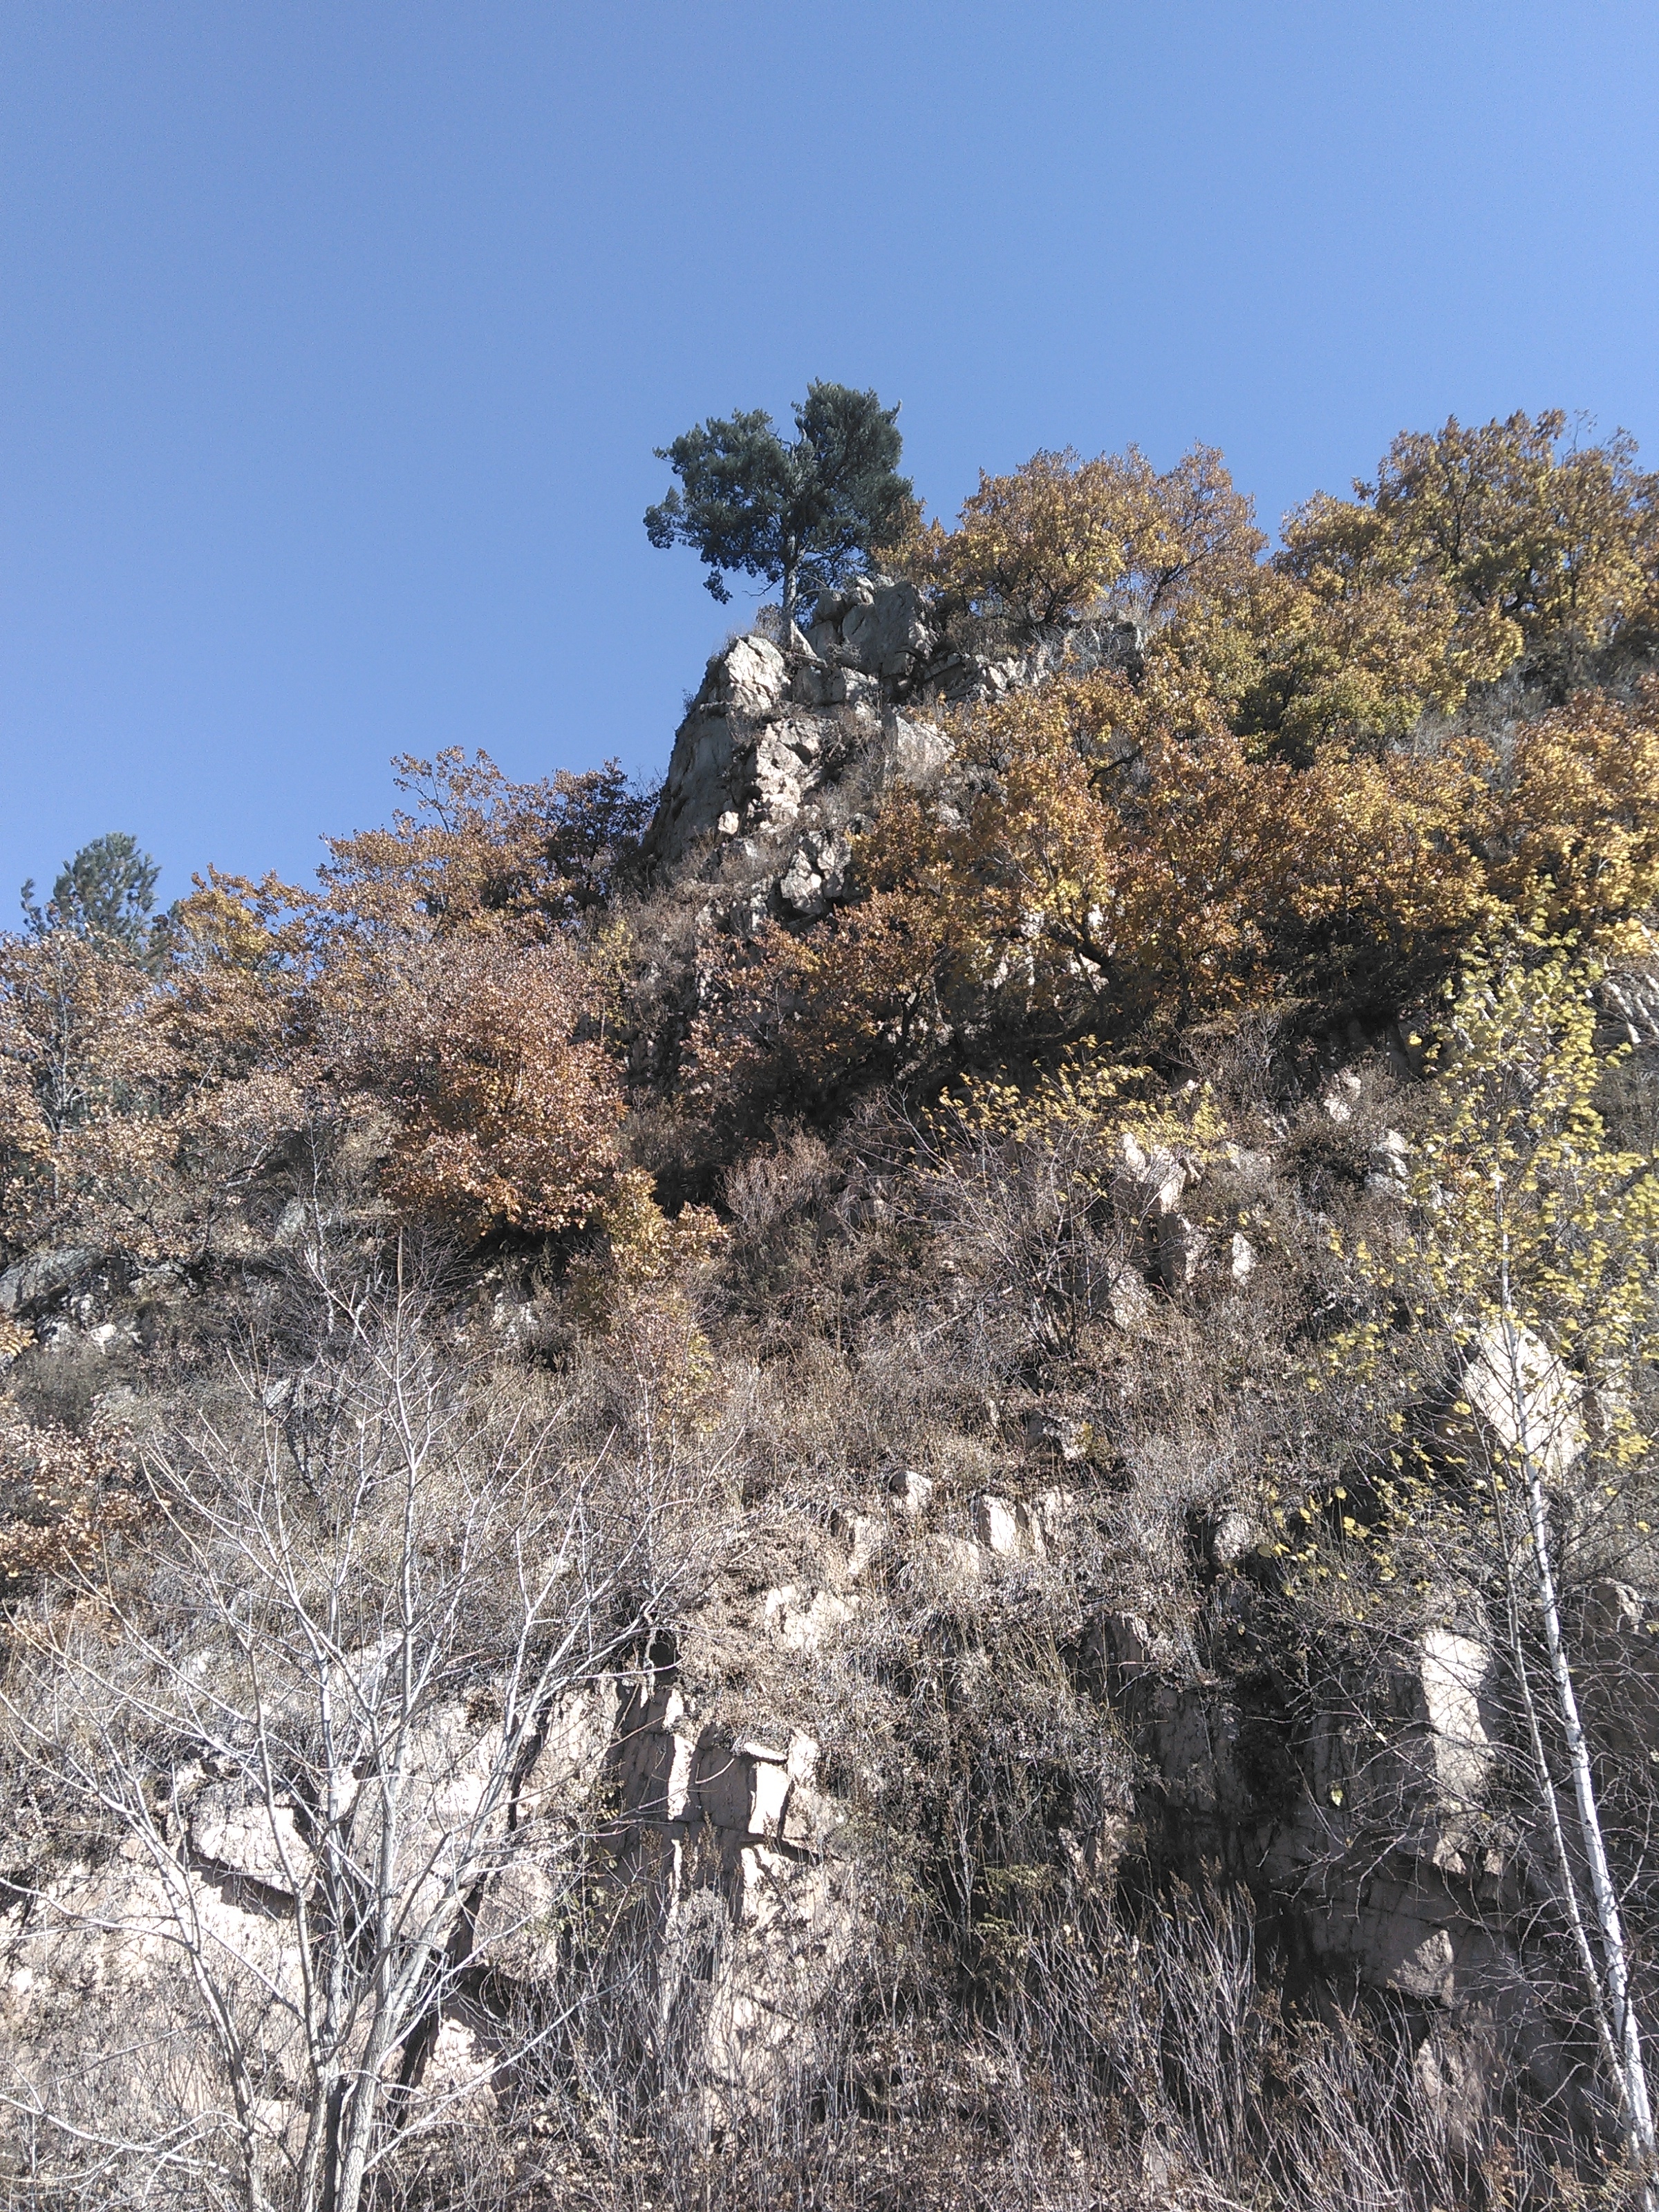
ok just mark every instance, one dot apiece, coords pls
pixel 921 1473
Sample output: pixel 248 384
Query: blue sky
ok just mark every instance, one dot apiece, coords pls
pixel 336 338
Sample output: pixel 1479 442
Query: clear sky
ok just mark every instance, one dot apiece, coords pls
pixel 335 338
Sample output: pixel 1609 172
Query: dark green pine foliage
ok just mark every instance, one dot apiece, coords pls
pixel 107 890
pixel 802 515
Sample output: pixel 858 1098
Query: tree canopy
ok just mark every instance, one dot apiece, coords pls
pixel 107 890
pixel 803 514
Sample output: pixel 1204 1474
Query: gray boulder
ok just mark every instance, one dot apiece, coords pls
pixel 886 634
pixel 28 1282
pixel 765 732
pixel 747 753
pixel 817 875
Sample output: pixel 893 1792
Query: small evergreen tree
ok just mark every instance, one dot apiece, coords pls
pixel 107 891
pixel 802 515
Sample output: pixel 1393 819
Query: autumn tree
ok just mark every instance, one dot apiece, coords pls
pixel 1471 547
pixel 1063 536
pixel 1570 828
pixel 422 1006
pixel 1115 857
pixel 1355 642
pixel 1547 538
pixel 84 1080
pixel 505 1109
pixel 802 514
pixel 478 852
pixel 450 988
pixel 1102 871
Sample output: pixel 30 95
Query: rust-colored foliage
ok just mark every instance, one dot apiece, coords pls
pixel 1127 859
pixel 1260 813
pixel 1272 798
pixel 507 1114
pixel 426 992
pixel 62 1498
pixel 85 1079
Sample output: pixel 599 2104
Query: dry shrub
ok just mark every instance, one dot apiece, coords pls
pixel 635 1295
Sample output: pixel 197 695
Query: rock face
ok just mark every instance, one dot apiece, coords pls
pixel 876 628
pixel 766 729
pixel 727 1844
pixel 722 1851
pixel 41 1275
pixel 1525 1398
pixel 1373 1834
pixel 781 750
pixel 1369 1819
pixel 261 1844
pixel 1628 1001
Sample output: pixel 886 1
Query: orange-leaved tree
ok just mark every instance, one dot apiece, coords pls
pixel 453 988
pixel 424 1011
pixel 506 1105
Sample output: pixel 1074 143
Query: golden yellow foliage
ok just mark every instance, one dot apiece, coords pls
pixel 1523 1215
pixel 1474 545
pixel 646 1246
pixel 1115 863
pixel 1356 643
pixel 1573 841
pixel 1060 534
pixel 1545 539
pixel 634 1290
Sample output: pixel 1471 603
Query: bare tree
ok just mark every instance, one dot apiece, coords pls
pixel 359 1662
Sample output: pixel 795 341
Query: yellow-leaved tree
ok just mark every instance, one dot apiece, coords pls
pixel 1527 1278
pixel 1064 536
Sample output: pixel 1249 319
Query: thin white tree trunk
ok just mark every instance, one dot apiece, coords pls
pixel 1621 2028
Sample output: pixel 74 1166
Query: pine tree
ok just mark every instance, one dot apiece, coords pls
pixel 106 892
pixel 803 515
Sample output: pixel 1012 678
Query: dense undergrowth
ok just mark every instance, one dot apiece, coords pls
pixel 1120 1130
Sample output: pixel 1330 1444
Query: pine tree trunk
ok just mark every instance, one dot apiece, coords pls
pixel 791 574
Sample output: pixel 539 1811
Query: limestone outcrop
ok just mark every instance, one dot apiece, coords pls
pixel 770 729
pixel 1367 1816
pixel 722 1851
